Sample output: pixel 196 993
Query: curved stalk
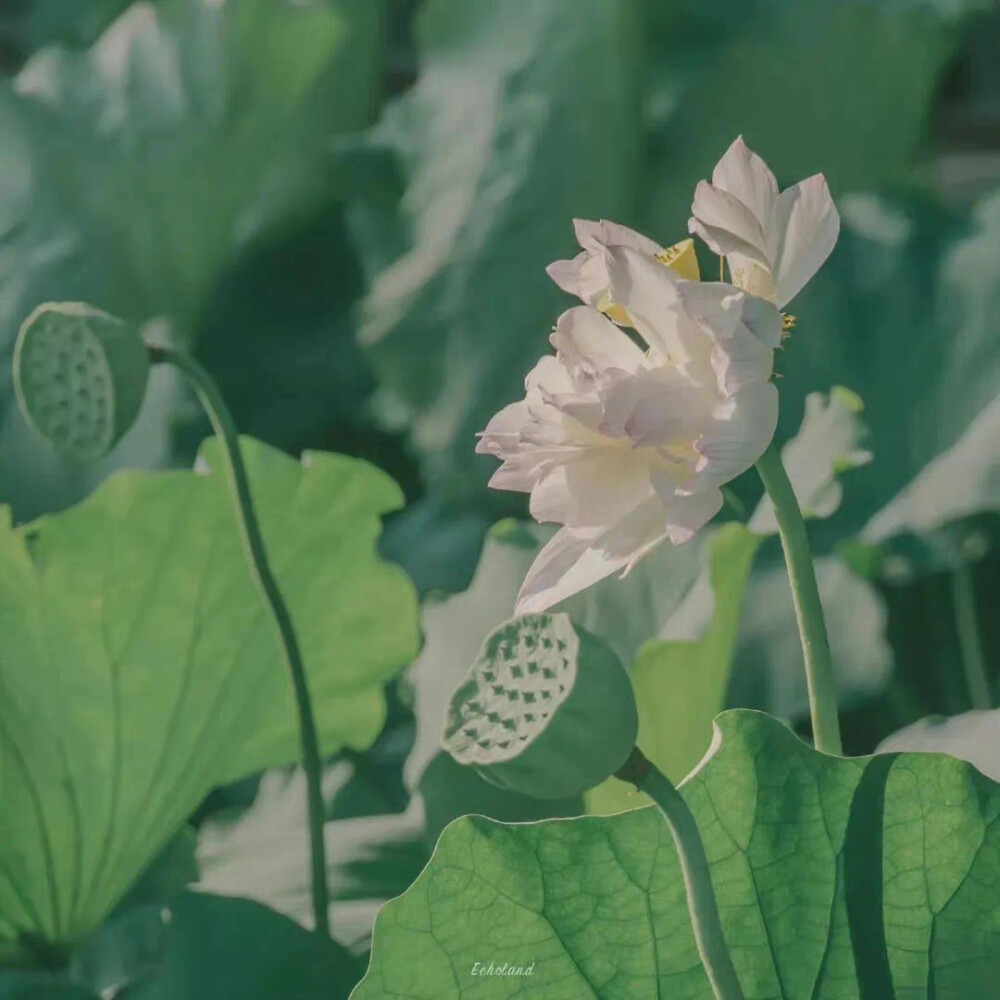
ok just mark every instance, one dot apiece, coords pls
pixel 644 774
pixel 256 554
pixel 805 596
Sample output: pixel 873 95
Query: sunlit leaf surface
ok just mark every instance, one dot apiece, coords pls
pixel 836 878
pixel 139 668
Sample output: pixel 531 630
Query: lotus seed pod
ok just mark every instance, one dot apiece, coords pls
pixel 80 377
pixel 547 709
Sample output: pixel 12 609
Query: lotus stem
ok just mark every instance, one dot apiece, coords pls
pixel 808 608
pixel 702 906
pixel 256 555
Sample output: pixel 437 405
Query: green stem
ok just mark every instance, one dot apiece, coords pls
pixel 702 906
pixel 808 609
pixel 963 589
pixel 253 544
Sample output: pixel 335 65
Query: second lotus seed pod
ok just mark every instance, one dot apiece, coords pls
pixel 547 709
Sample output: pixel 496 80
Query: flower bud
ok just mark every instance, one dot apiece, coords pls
pixel 80 377
pixel 547 709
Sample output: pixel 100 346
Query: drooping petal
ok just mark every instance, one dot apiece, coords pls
pixel 686 514
pixel 745 175
pixel 587 341
pixel 574 559
pixel 726 224
pixel 807 225
pixel 737 434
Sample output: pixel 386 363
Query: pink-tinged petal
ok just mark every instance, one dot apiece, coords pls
pixel 657 406
pixel 743 174
pixel 517 474
pixel 588 233
pixel 686 514
pixel 566 273
pixel 726 224
pixel 550 377
pixel 592 489
pixel 743 330
pixel 588 341
pixel 576 558
pixel 501 434
pixel 736 436
pixel 648 292
pixel 806 226
pixel 724 310
pixel 595 236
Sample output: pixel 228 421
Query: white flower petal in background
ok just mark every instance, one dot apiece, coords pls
pixel 774 243
pixel 972 736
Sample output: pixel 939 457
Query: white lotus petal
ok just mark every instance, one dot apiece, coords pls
pixel 726 224
pixel 657 407
pixel 806 224
pixel 586 340
pixel 744 174
pixel 592 489
pixel 502 431
pixel 574 559
pixel 648 291
pixel 737 435
pixel 686 514
pixel 566 273
pixel 742 329
pixel 596 236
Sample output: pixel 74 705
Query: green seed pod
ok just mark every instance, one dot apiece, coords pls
pixel 547 709
pixel 80 377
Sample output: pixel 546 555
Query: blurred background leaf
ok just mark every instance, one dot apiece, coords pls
pixel 521 117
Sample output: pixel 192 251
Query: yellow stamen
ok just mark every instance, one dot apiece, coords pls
pixel 681 259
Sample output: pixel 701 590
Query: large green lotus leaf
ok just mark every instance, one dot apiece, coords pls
pixel 837 879
pixel 522 117
pixel 139 667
